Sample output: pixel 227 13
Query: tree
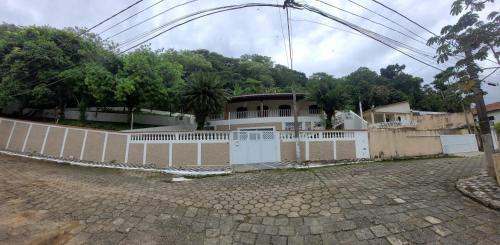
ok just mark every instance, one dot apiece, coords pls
pixel 203 95
pixel 144 78
pixel 329 93
pixel 470 40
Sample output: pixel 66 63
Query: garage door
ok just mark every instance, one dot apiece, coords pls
pixel 459 143
pixel 254 147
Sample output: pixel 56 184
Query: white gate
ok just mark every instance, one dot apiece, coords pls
pixel 459 143
pixel 254 147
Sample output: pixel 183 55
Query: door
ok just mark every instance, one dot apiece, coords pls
pixel 254 147
pixel 459 143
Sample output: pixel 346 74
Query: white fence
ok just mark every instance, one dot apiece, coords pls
pixel 459 143
pixel 181 137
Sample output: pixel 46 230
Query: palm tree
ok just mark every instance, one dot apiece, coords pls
pixel 203 95
pixel 329 93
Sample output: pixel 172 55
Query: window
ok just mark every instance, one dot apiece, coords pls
pixel 314 109
pixel 285 111
pixel 491 118
pixel 264 112
pixel 241 112
pixel 399 119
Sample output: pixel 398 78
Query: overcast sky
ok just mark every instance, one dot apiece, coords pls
pixel 316 48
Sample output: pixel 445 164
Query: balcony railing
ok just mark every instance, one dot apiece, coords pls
pixel 394 124
pixel 265 113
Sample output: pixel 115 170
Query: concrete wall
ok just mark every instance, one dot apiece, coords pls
pixel 386 143
pixel 443 121
pixel 104 146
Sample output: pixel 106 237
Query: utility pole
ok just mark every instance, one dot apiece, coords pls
pixel 298 155
pixel 482 116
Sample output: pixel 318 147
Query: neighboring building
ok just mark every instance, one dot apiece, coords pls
pixel 275 112
pixel 493 112
pixel 392 115
pixel 400 115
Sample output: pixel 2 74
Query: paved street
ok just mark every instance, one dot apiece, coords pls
pixel 375 203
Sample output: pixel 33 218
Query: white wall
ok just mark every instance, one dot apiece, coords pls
pixel 149 119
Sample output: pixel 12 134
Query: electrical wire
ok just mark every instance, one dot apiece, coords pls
pixel 283 35
pixel 364 32
pixel 218 10
pixel 111 17
pixel 130 17
pixel 150 18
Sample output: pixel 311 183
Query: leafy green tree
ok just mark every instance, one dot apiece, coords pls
pixel 144 78
pixel 204 94
pixel 329 93
pixel 471 40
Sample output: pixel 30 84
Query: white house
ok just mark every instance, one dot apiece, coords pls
pixel 275 112
pixel 493 110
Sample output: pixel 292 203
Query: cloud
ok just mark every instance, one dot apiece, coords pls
pixel 257 30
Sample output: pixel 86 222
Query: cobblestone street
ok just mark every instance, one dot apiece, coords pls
pixel 373 203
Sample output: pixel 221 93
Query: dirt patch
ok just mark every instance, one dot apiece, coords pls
pixel 60 234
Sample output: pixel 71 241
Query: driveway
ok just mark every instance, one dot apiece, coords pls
pixel 373 203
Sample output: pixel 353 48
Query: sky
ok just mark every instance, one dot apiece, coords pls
pixel 318 46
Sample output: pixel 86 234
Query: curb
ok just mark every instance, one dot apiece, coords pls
pixel 488 202
pixel 177 172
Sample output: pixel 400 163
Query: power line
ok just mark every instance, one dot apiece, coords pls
pixel 329 26
pixel 150 18
pixel 362 31
pixel 222 9
pixel 88 30
pixel 130 17
pixel 283 36
pixel 111 17
pixel 404 16
pixel 386 18
pixel 289 37
pixel 215 11
pixel 372 21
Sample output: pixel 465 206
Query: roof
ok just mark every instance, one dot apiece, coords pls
pixel 274 96
pixel 490 107
pixel 375 109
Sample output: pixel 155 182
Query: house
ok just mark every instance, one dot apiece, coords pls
pixel 274 111
pixel 392 115
pixel 400 115
pixel 493 110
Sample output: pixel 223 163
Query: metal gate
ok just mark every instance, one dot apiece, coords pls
pixel 459 143
pixel 254 147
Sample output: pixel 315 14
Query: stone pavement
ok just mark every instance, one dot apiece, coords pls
pixel 482 188
pixel 375 203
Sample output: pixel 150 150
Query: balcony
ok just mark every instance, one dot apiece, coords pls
pixel 265 114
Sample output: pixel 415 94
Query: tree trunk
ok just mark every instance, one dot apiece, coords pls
pixel 484 124
pixel 200 122
pixel 328 121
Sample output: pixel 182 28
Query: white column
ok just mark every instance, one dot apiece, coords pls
pixel 144 154
pixel 170 157
pixel 10 135
pixel 83 144
pixel 126 149
pixel 27 136
pixel 199 154
pixel 63 142
pixel 45 140
pixel 104 147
